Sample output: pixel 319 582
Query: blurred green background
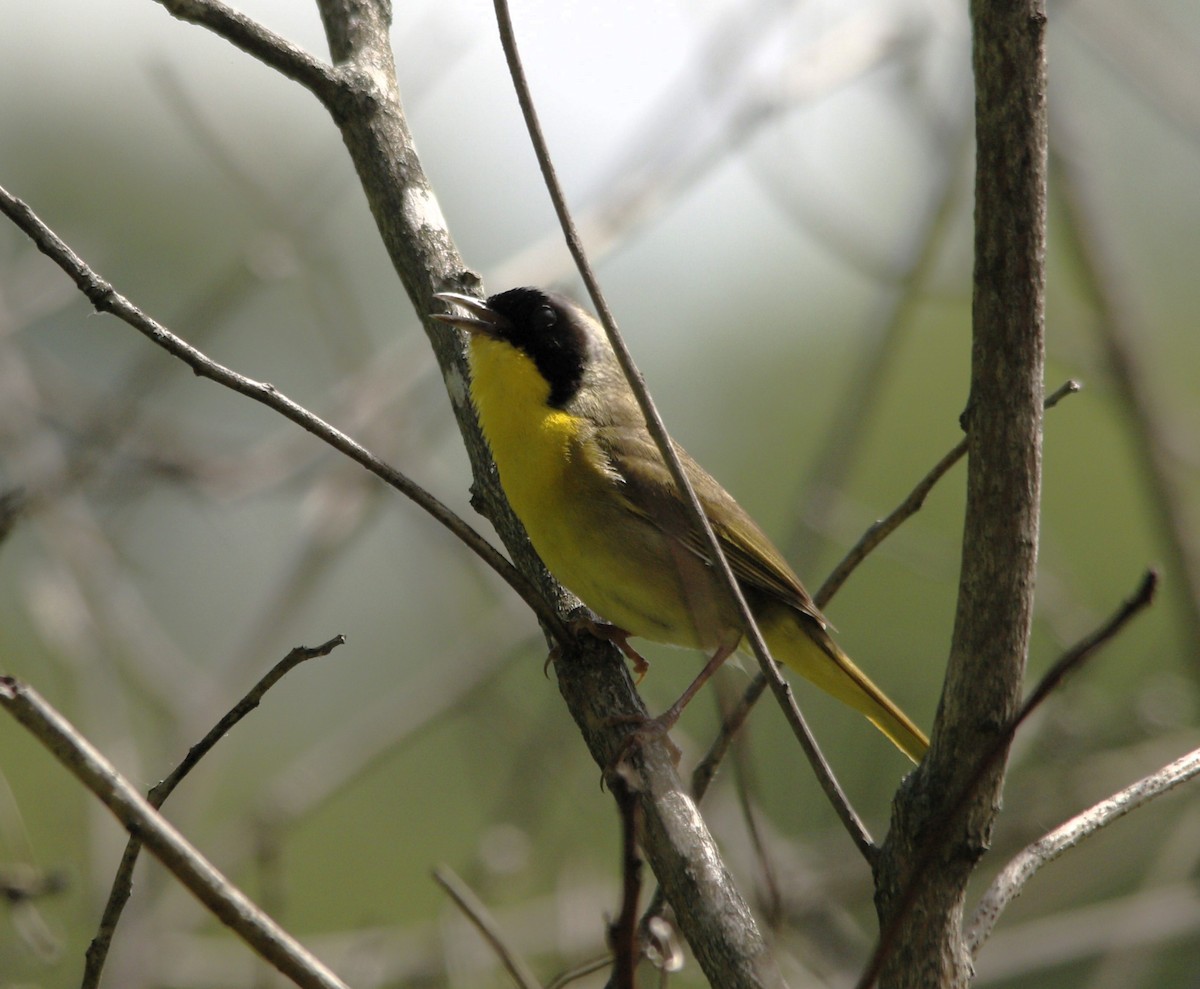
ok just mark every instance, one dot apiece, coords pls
pixel 779 199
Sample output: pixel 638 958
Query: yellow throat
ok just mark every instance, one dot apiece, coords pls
pixel 531 442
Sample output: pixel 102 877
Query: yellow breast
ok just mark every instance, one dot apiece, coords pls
pixel 530 441
pixel 562 491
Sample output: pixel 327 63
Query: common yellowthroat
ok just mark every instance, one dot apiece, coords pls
pixel 586 479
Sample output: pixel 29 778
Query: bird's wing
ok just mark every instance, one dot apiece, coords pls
pixel 649 491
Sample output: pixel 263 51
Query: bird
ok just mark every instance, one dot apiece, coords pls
pixel 594 493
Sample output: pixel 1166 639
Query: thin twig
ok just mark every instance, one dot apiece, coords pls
pixel 879 531
pixel 770 897
pixel 478 914
pixel 232 907
pixel 658 431
pixel 105 298
pixel 931 847
pixel 1008 885
pixel 706 769
pixel 243 707
pixel 335 761
pixel 122 884
pixel 681 141
pixel 1083 650
pixel 271 49
pixel 579 971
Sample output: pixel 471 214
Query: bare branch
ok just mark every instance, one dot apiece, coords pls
pixel 253 38
pixel 876 533
pixel 936 834
pixel 243 707
pixel 597 689
pixel 909 507
pixel 105 298
pixel 706 768
pixel 122 884
pixel 479 915
pixel 1087 647
pixel 918 897
pixel 579 972
pixel 1008 885
pixel 232 907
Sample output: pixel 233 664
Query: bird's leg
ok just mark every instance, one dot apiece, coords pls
pixel 666 721
pixel 658 727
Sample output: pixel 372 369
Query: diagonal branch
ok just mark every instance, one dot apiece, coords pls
pixel 122 884
pixel 874 535
pixel 229 904
pixel 105 298
pixel 909 507
pixel 271 49
pixel 935 836
pixel 1008 885
pixel 478 914
pixel 658 431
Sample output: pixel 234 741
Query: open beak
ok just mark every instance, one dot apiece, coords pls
pixel 482 319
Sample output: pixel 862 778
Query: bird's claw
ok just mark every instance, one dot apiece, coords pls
pixel 644 730
pixel 617 636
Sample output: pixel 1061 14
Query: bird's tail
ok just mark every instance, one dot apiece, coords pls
pixel 815 656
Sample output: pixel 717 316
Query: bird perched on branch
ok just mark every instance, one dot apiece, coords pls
pixel 590 485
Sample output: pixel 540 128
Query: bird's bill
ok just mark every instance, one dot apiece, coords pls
pixel 481 320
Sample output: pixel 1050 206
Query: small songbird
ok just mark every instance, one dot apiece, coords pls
pixel 584 476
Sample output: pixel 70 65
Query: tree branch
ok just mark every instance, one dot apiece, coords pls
pixel 122 884
pixel 481 918
pixel 623 931
pixel 1008 885
pixel 875 534
pixel 105 298
pixel 658 432
pixel 922 912
pixel 938 831
pixel 414 233
pixel 271 49
pixel 195 872
pixel 909 507
pixel 592 678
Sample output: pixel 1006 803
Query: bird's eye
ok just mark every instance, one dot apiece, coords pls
pixel 545 317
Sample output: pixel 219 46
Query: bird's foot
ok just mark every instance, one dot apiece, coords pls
pixel 645 730
pixel 609 633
